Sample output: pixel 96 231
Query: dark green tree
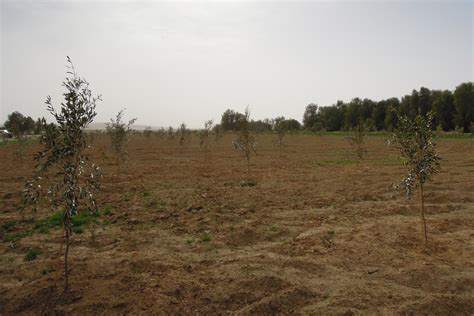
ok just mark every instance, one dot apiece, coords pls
pixel 464 103
pixel 379 112
pixel 19 125
pixel 444 110
pixel 333 116
pixel 230 120
pixel 310 116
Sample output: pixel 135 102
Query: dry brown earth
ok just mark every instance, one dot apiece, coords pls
pixel 316 234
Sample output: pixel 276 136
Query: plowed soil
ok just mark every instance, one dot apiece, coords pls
pixel 310 232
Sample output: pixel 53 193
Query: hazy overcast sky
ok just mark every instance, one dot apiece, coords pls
pixel 173 62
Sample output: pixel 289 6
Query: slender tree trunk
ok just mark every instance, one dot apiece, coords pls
pixel 424 234
pixel 118 166
pixel 66 267
pixel 248 164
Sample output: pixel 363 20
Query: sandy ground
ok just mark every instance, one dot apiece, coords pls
pixel 316 234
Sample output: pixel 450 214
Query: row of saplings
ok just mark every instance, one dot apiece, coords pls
pixel 64 174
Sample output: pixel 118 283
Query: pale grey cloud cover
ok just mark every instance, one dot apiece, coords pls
pixel 172 62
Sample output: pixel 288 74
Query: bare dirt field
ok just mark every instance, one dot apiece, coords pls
pixel 312 232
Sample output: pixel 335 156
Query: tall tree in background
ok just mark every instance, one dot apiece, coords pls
pixel 230 120
pixel 353 114
pixel 391 117
pixel 424 101
pixel 19 125
pixel 464 104
pixel 310 116
pixel 379 113
pixel 332 116
pixel 443 107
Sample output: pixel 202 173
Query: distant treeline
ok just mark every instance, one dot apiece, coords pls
pixel 19 124
pixel 453 110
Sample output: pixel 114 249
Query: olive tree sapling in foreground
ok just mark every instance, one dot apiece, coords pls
pixel 63 172
pixel 415 139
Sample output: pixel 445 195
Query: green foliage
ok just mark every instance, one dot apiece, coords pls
pixel 8 225
pixel 56 220
pixel 311 118
pixel 118 132
pixel 443 107
pixel 464 104
pixel 63 172
pixel 230 120
pixel 205 237
pixel 107 211
pixel 84 218
pixel 451 110
pixel 31 254
pixel 19 125
pixel 415 139
pixel 16 236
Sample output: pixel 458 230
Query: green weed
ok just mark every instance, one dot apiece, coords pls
pixel 31 254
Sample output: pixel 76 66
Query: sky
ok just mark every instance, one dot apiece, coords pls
pixel 174 62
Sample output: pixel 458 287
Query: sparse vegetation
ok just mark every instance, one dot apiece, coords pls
pixel 245 141
pixel 31 254
pixel 312 202
pixel 205 237
pixel 281 130
pixel 415 138
pixel 118 132
pixel 204 135
pixel 183 134
pixel 357 141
